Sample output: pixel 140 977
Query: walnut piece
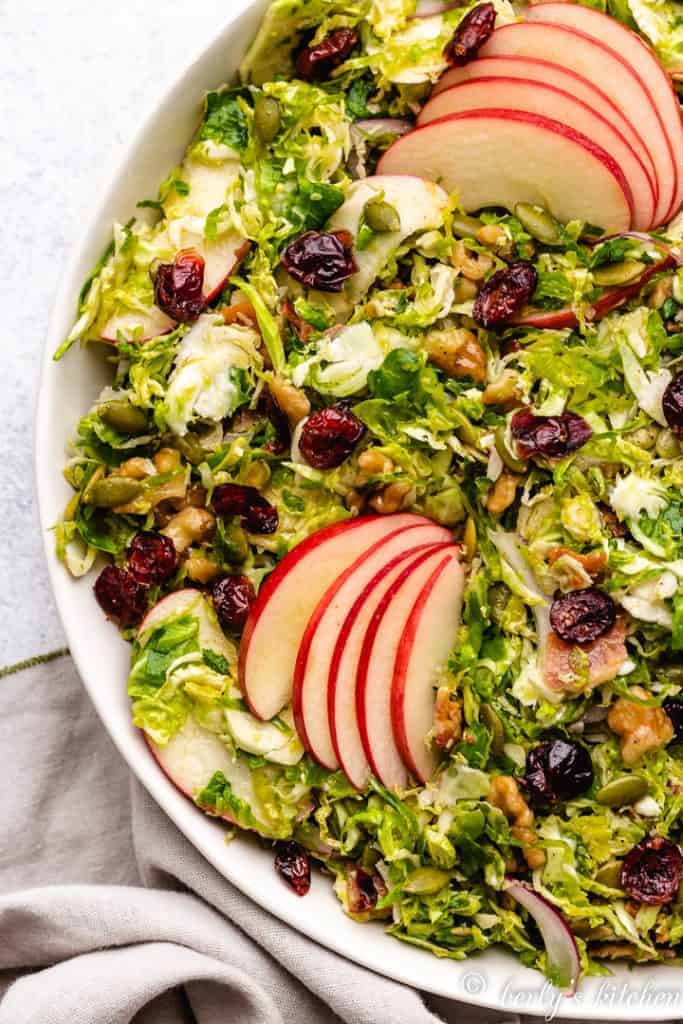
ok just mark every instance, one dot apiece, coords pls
pixel 505 794
pixel 447 719
pixel 457 352
pixel 641 729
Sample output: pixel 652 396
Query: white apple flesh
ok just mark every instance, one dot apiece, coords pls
pixel 533 69
pixel 377 664
pixel 503 157
pixel 644 62
pixel 426 641
pixel 312 669
pixel 549 101
pixel 609 70
pixel 189 602
pixel 285 602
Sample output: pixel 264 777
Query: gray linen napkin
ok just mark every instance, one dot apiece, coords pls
pixel 108 915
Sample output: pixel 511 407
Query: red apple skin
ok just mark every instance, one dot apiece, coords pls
pixel 633 49
pixel 401 712
pixel 240 254
pixel 366 657
pixel 557 319
pixel 410 536
pixel 281 572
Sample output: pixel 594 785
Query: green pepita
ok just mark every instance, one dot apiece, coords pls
pixel 123 417
pixel 495 727
pixel 469 539
pixel 381 216
pixel 610 874
pixel 465 227
pixel 113 491
pixel 540 224
pixel 514 464
pixel 189 446
pixel 621 792
pixel 426 881
pixel 267 119
pixel 618 273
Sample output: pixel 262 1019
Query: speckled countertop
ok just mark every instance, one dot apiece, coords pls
pixel 75 79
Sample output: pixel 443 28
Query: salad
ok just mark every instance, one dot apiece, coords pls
pixel 385 488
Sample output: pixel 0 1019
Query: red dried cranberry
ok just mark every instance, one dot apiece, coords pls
pixel 672 404
pixel 120 596
pixel 152 558
pixel 551 436
pixel 178 286
pixel 582 616
pixel 471 34
pixel 258 515
pixel 329 436
pixel 292 863
pixel 504 293
pixel 280 424
pixel 321 259
pixel 674 709
pixel 319 60
pixel 232 598
pixel 558 770
pixel 652 871
pixel 363 889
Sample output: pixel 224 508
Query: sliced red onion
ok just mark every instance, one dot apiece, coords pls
pixel 378 126
pixel 564 964
pixel 429 8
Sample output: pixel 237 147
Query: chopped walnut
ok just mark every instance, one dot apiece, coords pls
pixel 393 498
pixel 447 719
pixel 457 352
pixel 201 569
pixel 505 794
pixel 292 401
pixel 502 494
pixel 188 526
pixel 595 562
pixel 505 390
pixel 641 729
pixel 471 265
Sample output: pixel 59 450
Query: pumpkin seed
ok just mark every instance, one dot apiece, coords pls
pixel 514 464
pixel 113 491
pixel 618 273
pixel 381 217
pixel 267 119
pixel 540 224
pixel 465 227
pixel 427 881
pixel 123 417
pixel 621 792
pixel 495 727
pixel 469 539
pixel 610 874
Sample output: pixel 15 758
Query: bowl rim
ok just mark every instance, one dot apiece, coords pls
pixel 476 981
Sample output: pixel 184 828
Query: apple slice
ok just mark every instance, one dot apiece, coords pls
pixel 534 70
pixel 419 204
pixel 192 757
pixel 130 324
pixel 189 602
pixel 343 675
pixel 502 157
pixel 377 664
pixel 638 55
pixel 273 631
pixel 311 672
pixel 427 640
pixel 610 72
pixel 559 105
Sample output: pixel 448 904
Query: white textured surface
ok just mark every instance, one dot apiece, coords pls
pixel 75 79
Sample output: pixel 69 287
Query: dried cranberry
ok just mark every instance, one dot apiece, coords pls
pixel 120 595
pixel 611 521
pixel 361 889
pixel 232 598
pixel 652 871
pixel 471 34
pixel 280 424
pixel 672 404
pixel 178 286
pixel 329 436
pixel 258 515
pixel 321 259
pixel 551 436
pixel 674 709
pixel 504 293
pixel 152 558
pixel 319 60
pixel 582 616
pixel 558 770
pixel 293 864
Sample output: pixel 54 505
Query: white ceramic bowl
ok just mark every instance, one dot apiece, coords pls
pixel 494 979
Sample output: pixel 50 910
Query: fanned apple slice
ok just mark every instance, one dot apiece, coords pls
pixel 610 71
pixel 194 603
pixel 130 324
pixel 532 69
pixel 426 641
pixel 285 602
pixel 311 672
pixel 502 157
pixel 377 663
pixel 549 101
pixel 642 60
